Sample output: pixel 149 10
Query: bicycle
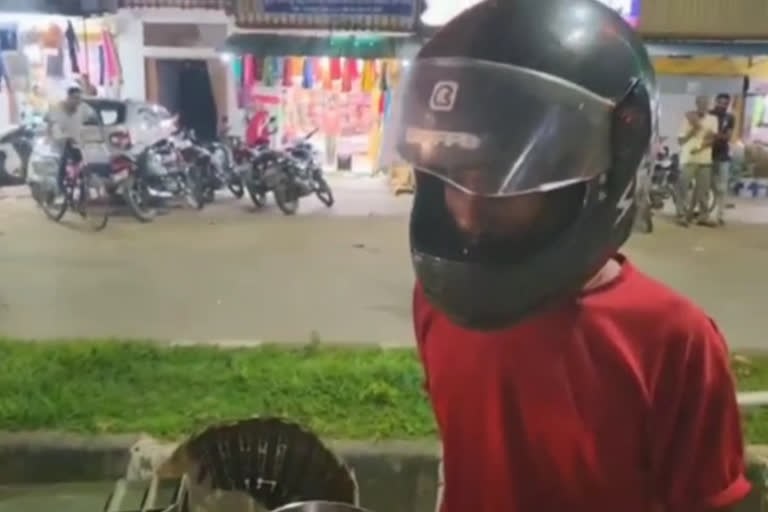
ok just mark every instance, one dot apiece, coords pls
pixel 79 189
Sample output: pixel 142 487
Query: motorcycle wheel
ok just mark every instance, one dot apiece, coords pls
pixel 137 197
pixel 196 188
pixel 324 192
pixel 258 197
pixel 237 188
pixel 286 199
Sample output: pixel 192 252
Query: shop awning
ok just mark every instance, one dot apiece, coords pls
pixel 673 48
pixel 60 7
pixel 362 46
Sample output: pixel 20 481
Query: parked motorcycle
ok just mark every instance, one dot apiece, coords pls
pixel 302 176
pixel 666 172
pixel 224 172
pixel 250 164
pixel 155 173
pixel 15 150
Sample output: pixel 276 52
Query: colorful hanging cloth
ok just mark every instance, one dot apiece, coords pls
pixel 335 68
pixel 112 70
pixel 288 63
pixel 369 76
pixel 350 74
pixel 247 72
pixel 102 65
pixel 308 74
pixel 73 47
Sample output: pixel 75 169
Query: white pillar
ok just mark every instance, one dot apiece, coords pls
pixel 130 47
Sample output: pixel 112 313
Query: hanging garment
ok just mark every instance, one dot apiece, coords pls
pixel 384 81
pixel 102 66
pixel 369 76
pixel 257 71
pixel 325 70
pixel 248 72
pixel 335 68
pixel 3 77
pixel 73 47
pixel 350 74
pixel 288 72
pixel 279 70
pixel 268 71
pixel 110 68
pixel 237 71
pixel 308 75
pixel 55 65
pixel 9 37
pixel 115 67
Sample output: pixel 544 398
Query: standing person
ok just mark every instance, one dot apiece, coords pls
pixel 721 153
pixel 696 137
pixel 562 378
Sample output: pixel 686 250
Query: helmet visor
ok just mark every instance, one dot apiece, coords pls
pixel 496 130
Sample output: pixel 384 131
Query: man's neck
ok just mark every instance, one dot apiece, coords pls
pixel 610 271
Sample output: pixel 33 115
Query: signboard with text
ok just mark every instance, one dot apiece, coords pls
pixel 353 15
pixel 341 7
pixel 439 12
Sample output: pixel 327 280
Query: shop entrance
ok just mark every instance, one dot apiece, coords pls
pixel 184 87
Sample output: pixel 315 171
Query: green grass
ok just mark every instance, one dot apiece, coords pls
pixel 121 387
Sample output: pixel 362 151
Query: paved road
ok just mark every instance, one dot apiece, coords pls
pixel 232 274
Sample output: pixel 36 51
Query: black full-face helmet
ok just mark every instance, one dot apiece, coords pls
pixel 517 97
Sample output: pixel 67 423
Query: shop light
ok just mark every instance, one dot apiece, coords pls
pixel 225 57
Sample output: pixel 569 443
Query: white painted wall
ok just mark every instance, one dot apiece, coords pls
pixel 130 43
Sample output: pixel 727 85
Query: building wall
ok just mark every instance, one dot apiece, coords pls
pixel 130 42
pixel 705 19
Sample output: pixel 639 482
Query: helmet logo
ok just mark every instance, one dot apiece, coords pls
pixel 444 96
pixel 626 201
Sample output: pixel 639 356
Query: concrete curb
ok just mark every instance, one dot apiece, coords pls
pixel 408 467
pixel 380 467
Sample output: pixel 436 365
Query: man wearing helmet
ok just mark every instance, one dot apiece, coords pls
pixel 561 377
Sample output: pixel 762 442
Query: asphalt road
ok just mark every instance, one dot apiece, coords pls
pixel 232 274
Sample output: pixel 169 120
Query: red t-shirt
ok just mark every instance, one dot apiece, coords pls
pixel 621 400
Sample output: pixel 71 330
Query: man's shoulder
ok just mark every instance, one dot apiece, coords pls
pixel 665 317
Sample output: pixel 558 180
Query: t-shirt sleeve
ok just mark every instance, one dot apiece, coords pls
pixel 684 127
pixel 698 449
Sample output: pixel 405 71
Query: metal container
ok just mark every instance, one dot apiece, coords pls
pixel 319 506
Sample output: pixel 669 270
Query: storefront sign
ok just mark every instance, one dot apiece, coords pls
pixel 439 12
pixel 355 15
pixel 340 7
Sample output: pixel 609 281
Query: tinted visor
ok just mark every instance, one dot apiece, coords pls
pixel 496 130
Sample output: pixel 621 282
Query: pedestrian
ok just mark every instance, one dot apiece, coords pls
pixel 562 378
pixel 721 154
pixel 696 137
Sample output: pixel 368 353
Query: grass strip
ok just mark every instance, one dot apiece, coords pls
pixel 115 386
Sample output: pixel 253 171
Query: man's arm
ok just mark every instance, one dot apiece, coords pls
pixel 726 133
pixel 697 444
pixel 687 131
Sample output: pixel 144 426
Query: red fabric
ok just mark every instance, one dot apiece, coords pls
pixel 335 69
pixel 257 132
pixel 620 400
pixel 248 73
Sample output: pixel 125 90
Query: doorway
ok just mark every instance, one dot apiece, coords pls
pixel 184 87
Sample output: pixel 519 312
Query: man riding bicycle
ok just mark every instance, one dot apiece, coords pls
pixel 65 126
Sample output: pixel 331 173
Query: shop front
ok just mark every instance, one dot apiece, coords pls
pixel 707 48
pixel 42 55
pixel 305 67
